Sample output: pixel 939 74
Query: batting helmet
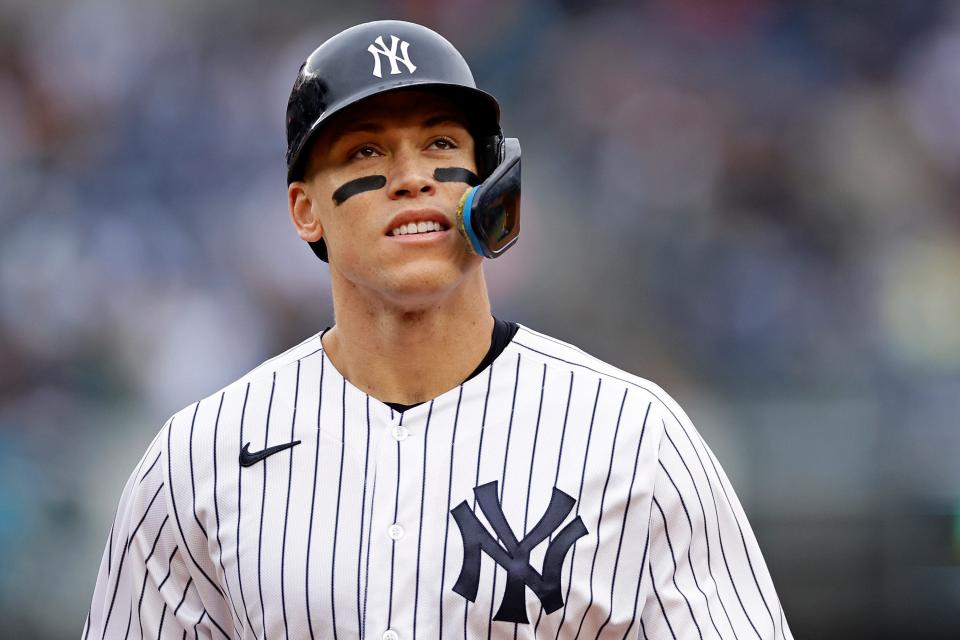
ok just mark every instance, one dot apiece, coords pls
pixel 376 57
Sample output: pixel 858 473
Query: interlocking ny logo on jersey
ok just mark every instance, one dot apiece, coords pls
pixel 514 555
pixel 378 48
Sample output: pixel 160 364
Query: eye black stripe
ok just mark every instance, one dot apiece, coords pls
pixel 456 174
pixel 352 188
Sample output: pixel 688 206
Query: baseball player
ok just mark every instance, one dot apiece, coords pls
pixel 422 469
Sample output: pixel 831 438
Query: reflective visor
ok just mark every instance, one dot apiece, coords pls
pixel 491 211
pixel 498 226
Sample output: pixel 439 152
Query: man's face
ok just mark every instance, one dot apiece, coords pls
pixel 370 171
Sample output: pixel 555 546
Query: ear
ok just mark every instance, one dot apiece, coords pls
pixel 304 218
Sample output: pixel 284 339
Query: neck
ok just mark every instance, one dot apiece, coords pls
pixel 406 356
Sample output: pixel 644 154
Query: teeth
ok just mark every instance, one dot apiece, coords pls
pixel 416 227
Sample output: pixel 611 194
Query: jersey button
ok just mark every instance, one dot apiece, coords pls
pixel 395 532
pixel 390 634
pixel 400 433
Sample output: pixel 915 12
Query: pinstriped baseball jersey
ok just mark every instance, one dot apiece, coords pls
pixel 551 496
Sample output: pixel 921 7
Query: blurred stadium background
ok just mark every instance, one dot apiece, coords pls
pixel 755 204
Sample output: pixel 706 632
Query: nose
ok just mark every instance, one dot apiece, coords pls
pixel 411 176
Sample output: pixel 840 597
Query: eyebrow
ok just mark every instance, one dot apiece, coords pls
pixel 357 127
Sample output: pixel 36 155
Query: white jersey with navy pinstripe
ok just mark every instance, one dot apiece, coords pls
pixel 550 496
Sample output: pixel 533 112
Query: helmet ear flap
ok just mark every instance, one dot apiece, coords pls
pixel 489 152
pixel 488 215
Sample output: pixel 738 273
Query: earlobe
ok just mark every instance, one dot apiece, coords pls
pixel 300 206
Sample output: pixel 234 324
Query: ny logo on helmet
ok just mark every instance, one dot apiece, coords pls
pixel 378 48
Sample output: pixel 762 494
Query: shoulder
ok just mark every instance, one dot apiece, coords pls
pixel 556 354
pixel 223 410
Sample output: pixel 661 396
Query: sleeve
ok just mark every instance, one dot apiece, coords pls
pixel 705 575
pixel 145 587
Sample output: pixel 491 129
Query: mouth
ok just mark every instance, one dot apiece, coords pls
pixel 426 222
pixel 417 228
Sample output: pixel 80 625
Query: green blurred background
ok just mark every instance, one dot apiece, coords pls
pixel 755 204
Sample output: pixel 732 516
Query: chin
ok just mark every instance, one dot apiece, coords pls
pixel 422 290
pixel 420 285
pixel 412 284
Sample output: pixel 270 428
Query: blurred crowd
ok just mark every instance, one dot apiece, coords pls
pixel 755 204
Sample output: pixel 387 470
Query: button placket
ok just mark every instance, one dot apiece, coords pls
pixel 399 433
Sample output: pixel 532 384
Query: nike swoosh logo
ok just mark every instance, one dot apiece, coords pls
pixel 248 459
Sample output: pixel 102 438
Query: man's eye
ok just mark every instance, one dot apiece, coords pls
pixel 366 152
pixel 444 143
